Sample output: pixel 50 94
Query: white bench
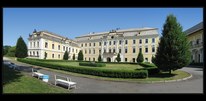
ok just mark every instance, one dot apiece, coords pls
pixel 67 82
pixel 36 73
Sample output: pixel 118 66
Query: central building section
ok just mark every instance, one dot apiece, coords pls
pixel 128 43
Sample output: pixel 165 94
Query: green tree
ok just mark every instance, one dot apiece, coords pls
pixel 100 58
pixel 21 48
pixel 45 55
pixel 173 51
pixel 140 57
pixel 80 55
pixel 153 59
pixel 6 49
pixel 118 58
pixel 73 57
pixel 65 57
pixel 11 51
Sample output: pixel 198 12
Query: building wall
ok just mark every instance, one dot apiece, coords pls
pixel 196 48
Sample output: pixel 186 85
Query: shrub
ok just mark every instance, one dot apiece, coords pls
pixel 92 64
pixel 90 71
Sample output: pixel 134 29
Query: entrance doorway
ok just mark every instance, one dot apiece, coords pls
pixel 108 59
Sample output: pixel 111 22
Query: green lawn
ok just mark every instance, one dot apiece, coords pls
pixel 16 82
pixel 108 66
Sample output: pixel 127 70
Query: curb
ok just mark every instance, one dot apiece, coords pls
pixel 165 81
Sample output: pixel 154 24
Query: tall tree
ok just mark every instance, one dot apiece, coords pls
pixel 21 48
pixel 118 58
pixel 80 55
pixel 140 57
pixel 73 57
pixel 173 51
pixel 100 58
pixel 65 57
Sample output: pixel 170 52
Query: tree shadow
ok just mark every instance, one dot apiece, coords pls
pixel 162 75
pixel 10 75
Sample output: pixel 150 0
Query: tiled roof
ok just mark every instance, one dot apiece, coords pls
pixel 195 28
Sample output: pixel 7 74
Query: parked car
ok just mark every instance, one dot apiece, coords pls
pixel 13 66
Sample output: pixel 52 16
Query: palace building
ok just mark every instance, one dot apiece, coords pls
pixel 127 42
pixel 195 37
pixel 47 45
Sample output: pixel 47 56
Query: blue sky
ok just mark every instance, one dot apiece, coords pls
pixel 73 22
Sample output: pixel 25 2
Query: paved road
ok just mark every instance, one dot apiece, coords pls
pixel 88 85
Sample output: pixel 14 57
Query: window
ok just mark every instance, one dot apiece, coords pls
pixel 120 50
pixel 69 48
pixel 153 49
pixel 99 51
pixel 153 40
pixel 76 51
pixel 134 41
pixel 105 50
pixel 94 44
pixel 109 50
pixel 34 44
pixel 114 50
pixel 89 44
pixel 85 59
pixel 52 46
pixel 110 42
pixel 125 50
pixel 63 48
pixel 140 49
pixel 59 47
pixel 93 59
pixel 146 40
pixel 59 56
pixel 89 59
pixel 125 59
pixel 30 54
pixel 133 59
pixel 37 53
pixel 146 50
pixel 33 53
pixel 82 45
pixel 85 44
pixel 133 49
pixel 125 41
pixel 105 43
pixel 120 42
pixel 37 44
pixel 140 41
pixel 99 43
pixel 72 49
pixel 85 51
pixel 46 45
pixel 93 51
pixel 89 51
pixel 114 42
pixel 30 44
pixel 52 55
pixel 66 48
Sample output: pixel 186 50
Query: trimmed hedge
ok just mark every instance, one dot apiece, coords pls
pixel 92 64
pixel 90 71
pixel 147 65
pixel 152 71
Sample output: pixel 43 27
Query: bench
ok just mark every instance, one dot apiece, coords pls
pixel 66 81
pixel 36 73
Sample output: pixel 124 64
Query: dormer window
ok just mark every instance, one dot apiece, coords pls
pixel 112 37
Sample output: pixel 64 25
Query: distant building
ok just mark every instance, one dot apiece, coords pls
pixel 44 44
pixel 195 37
pixel 127 42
